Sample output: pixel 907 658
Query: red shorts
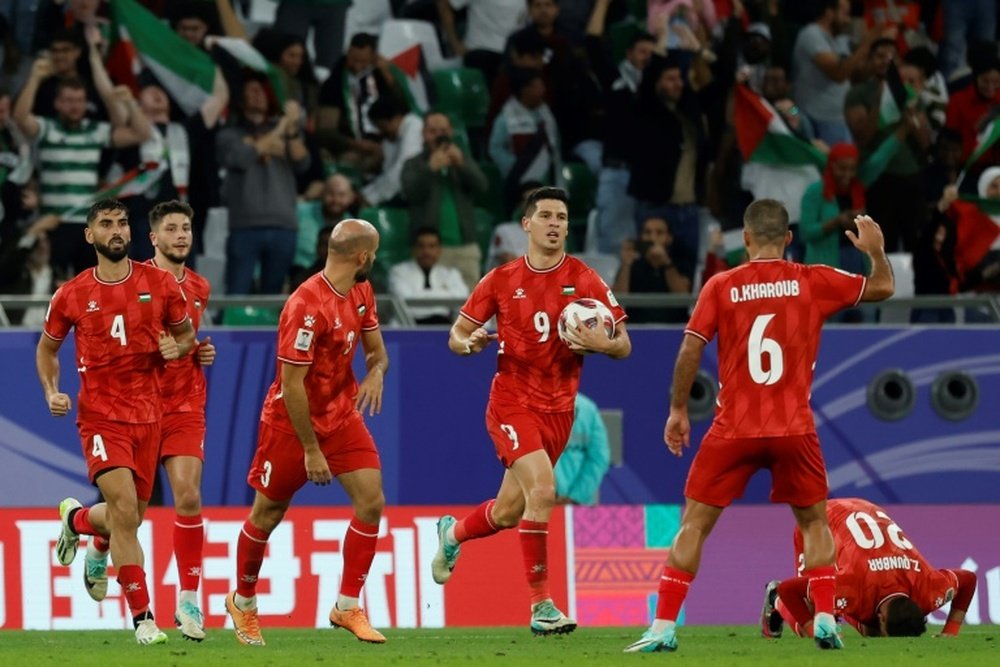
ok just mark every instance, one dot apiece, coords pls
pixel 517 430
pixel 723 466
pixel 279 470
pixel 183 434
pixel 109 444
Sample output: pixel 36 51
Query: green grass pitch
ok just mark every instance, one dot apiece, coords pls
pixel 587 647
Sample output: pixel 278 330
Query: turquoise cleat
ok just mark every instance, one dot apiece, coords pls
pixel 654 642
pixel 444 560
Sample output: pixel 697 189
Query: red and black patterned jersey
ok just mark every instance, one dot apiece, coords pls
pixel 117 330
pixel 768 315
pixel 182 385
pixel 534 367
pixel 320 327
pixel 876 561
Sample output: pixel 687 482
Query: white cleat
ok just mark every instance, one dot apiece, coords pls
pixel 546 619
pixel 146 633
pixel 68 541
pixel 95 573
pixel 190 621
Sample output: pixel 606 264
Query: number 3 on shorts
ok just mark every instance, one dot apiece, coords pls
pixel 512 434
pixel 265 477
pixel 97 447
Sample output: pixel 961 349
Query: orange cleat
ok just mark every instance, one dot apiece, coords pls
pixel 356 620
pixel 245 622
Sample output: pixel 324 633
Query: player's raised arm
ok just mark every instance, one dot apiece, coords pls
pixel 47 362
pixel 466 337
pixel 677 431
pixel 869 240
pixel 377 361
pixel 963 598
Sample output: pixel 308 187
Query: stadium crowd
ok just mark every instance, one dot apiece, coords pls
pixel 663 119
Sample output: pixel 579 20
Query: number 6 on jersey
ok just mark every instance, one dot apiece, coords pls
pixel 757 347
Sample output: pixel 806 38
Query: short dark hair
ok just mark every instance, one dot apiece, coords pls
pixel 363 40
pixel 766 220
pixel 72 83
pixel 539 194
pixel 105 206
pixel 165 208
pixel 922 58
pixel 904 618
pixel 879 43
pixel 384 108
pixel 641 37
pixel 527 41
pixel 521 78
pixel 425 231
pixel 65 36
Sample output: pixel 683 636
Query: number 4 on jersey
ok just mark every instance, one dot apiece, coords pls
pixel 118 329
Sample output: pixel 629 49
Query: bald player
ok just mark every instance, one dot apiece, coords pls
pixel 311 425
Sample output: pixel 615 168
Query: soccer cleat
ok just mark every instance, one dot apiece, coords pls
pixel 245 622
pixel 356 621
pixel 190 621
pixel 68 541
pixel 654 642
pixel 771 623
pixel 444 560
pixel 95 574
pixel 826 633
pixel 546 619
pixel 146 633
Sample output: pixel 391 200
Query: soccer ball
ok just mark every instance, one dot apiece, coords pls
pixel 591 313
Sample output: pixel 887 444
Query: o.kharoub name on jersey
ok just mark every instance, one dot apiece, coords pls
pixel 768 315
pixel 534 367
pixel 117 328
pixel 182 385
pixel 321 328
pixel 875 561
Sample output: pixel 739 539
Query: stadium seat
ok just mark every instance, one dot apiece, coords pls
pixel 902 269
pixel 492 199
pixel 250 316
pixel 582 188
pixel 393 225
pixel 462 90
pixel 484 229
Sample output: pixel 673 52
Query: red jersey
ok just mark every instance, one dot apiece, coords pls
pixel 875 561
pixel 534 367
pixel 320 327
pixel 182 384
pixel 117 330
pixel 768 315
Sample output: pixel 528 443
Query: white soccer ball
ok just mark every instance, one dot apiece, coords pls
pixel 591 312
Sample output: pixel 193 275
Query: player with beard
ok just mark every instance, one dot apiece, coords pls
pixel 311 425
pixel 182 432
pixel 128 319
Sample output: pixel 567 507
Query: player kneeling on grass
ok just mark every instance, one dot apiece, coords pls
pixel 885 588
pixel 311 428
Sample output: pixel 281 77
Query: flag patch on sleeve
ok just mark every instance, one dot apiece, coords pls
pixel 145 297
pixel 361 309
pixel 303 340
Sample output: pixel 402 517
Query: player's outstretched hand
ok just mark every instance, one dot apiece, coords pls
pixel 479 339
pixel 317 469
pixel 370 394
pixel 677 432
pixel 206 352
pixel 169 349
pixel 59 404
pixel 869 239
pixel 582 339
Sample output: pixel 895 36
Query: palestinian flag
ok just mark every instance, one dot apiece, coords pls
pixel 133 182
pixel 251 58
pixel 975 234
pixel 895 97
pixel 143 40
pixel 987 138
pixel 778 164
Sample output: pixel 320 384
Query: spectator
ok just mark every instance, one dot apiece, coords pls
pixel 824 65
pixel 338 201
pixel 542 15
pixel 64 60
pixel 488 24
pixel 669 159
pixel 615 207
pixel 327 19
pixel 919 71
pixel 70 177
pixel 509 240
pixel 524 142
pixel 964 22
pixel 440 185
pixel 343 127
pixel 525 50
pixel 889 198
pixel 971 107
pixel 291 60
pixel 426 275
pixel 319 252
pixel 15 156
pixel 13 65
pixel 193 21
pixel 261 153
pixel 586 458
pixel 401 134
pixel 944 168
pixel 647 267
pixel 24 263
pixel 934 270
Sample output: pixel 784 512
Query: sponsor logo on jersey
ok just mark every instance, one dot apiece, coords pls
pixel 145 297
pixel 303 340
pixel 92 307
pixel 309 320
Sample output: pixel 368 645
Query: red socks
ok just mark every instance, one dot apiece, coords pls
pixel 132 579
pixel 80 522
pixel 674 585
pixel 476 524
pixel 359 550
pixel 792 603
pixel 534 538
pixel 822 588
pixel 249 556
pixel 189 539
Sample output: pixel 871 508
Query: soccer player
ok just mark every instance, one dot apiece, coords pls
pixel 530 410
pixel 311 428
pixel 885 587
pixel 767 314
pixel 128 318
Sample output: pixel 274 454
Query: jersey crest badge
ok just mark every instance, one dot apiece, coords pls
pixel 519 293
pixel 92 307
pixel 309 320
